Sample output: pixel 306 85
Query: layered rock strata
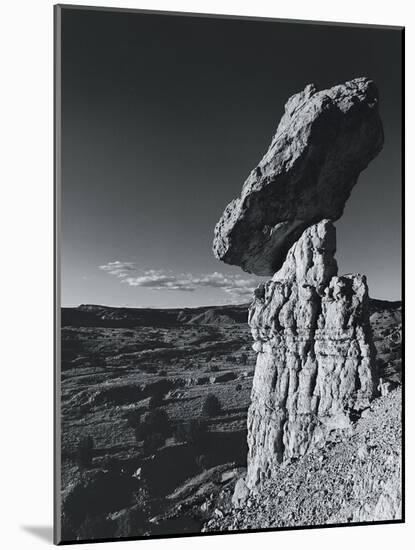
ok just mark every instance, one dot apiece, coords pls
pixel 322 143
pixel 314 369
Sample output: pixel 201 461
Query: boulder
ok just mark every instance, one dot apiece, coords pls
pixel 240 494
pixel 322 143
pixel 225 377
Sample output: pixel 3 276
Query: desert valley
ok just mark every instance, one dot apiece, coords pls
pixel 154 413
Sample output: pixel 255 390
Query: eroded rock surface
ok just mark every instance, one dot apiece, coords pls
pixel 322 143
pixel 315 360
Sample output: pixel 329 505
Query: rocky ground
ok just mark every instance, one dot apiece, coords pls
pixel 355 478
pixel 143 454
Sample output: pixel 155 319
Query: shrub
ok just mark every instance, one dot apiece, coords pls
pixel 161 387
pixel 134 418
pixel 243 359
pixel 85 451
pixel 211 406
pixel 154 422
pixel 152 442
pixel 155 401
pixel 238 387
pixel 158 421
pixel 231 359
pixel 138 433
pixel 193 432
pixel 214 368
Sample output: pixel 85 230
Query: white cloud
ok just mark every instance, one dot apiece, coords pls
pixel 237 287
pixel 159 281
pixel 119 269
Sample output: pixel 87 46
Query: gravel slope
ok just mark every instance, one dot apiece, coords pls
pixel 355 478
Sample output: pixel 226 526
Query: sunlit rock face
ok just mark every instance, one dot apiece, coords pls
pixel 322 143
pixel 315 362
pixel 315 355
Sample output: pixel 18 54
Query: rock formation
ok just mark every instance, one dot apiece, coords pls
pixel 315 354
pixel 322 143
pixel 315 362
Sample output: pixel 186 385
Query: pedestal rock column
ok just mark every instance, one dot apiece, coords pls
pixel 315 365
pixel 314 368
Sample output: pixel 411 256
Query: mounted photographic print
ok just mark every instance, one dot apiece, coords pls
pixel 228 274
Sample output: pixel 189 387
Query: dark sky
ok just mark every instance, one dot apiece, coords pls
pixel 164 117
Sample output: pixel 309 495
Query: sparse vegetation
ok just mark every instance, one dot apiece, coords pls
pixel 211 406
pixel 156 400
pixel 134 418
pixel 243 359
pixel 193 432
pixel 154 422
pixel 118 386
pixel 152 442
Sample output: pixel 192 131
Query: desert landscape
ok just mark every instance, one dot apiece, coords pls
pixel 196 397
pixel 122 368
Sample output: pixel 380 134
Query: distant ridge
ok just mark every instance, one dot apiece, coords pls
pixel 108 316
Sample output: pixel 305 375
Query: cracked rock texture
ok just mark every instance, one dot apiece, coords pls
pixel 322 143
pixel 315 362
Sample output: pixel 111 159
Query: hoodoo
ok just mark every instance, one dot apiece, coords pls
pixel 315 360
pixel 315 356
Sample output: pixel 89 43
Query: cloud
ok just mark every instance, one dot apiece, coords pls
pixel 119 269
pixel 159 281
pixel 236 287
